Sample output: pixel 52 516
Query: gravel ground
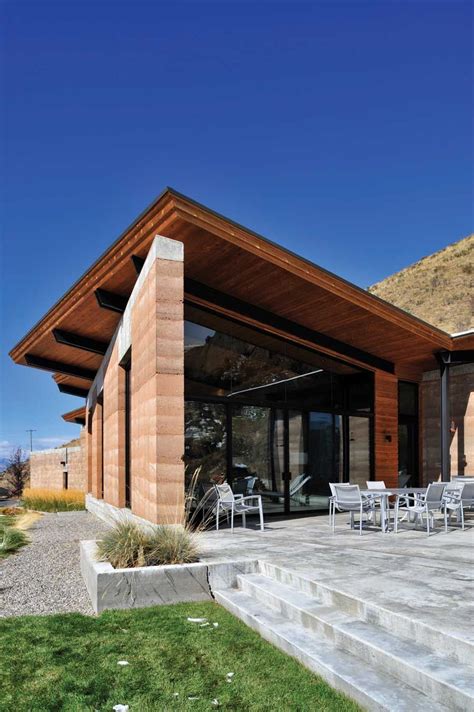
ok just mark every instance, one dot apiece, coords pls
pixel 44 576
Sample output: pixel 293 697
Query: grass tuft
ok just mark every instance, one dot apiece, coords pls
pixel 171 545
pixel 11 538
pixel 47 500
pixel 123 546
pixel 128 545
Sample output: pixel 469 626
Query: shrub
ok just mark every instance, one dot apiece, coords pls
pixel 46 500
pixel 128 545
pixel 171 545
pixel 123 546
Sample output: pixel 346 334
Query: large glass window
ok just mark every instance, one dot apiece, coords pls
pixel 271 416
pixel 205 439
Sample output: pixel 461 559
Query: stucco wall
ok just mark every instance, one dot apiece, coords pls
pixel 47 468
pixel 462 425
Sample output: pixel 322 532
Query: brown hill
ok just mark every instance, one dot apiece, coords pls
pixel 437 289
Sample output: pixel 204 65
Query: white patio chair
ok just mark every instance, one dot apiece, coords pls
pixel 333 497
pixel 236 504
pixel 467 495
pixel 422 504
pixel 452 502
pixel 348 498
pixel 379 485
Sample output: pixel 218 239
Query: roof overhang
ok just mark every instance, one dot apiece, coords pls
pixel 76 416
pixel 222 257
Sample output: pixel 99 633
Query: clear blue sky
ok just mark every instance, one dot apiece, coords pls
pixel 340 130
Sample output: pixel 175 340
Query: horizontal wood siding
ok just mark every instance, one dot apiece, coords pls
pixel 386 426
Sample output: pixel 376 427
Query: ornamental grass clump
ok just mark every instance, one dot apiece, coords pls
pixel 48 500
pixel 123 546
pixel 171 545
pixel 128 545
pixel 11 538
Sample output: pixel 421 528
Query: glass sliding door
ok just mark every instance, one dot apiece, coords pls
pixel 258 454
pixel 271 416
pixel 324 457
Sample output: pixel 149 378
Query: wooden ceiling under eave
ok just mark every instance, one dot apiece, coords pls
pixel 226 257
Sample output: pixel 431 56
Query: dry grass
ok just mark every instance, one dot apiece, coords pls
pixel 25 520
pixel 437 289
pixel 46 500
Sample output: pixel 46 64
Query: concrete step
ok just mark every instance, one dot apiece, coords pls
pixel 392 621
pixel 370 687
pixel 439 677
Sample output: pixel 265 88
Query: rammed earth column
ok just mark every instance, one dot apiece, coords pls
pixel 157 386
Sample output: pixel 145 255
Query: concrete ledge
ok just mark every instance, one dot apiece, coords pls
pixel 111 588
pixel 111 515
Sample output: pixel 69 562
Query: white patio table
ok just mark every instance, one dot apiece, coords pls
pixel 384 494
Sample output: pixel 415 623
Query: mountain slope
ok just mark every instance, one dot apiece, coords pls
pixel 437 289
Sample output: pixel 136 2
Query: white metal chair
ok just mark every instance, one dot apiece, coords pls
pixel 348 498
pixel 333 497
pixel 236 504
pixel 467 495
pixel 452 502
pixel 379 485
pixel 422 504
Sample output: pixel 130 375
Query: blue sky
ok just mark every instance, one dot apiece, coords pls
pixel 340 130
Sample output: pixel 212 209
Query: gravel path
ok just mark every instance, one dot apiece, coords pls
pixel 45 576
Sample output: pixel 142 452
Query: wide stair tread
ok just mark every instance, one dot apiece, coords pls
pixel 411 659
pixel 371 687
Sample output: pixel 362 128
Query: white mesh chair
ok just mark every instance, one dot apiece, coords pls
pixel 467 495
pixel 333 497
pixel 452 502
pixel 236 504
pixel 347 498
pixel 421 505
pixel 378 485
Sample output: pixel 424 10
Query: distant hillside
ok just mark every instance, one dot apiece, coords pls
pixel 72 443
pixel 437 289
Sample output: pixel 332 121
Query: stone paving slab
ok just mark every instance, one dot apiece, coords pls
pixel 428 578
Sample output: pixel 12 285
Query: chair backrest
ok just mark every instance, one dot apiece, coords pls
pixel 298 482
pixel 224 492
pixel 347 495
pixel 403 479
pixel 240 486
pixel 467 494
pixel 452 492
pixel 434 493
pixel 375 484
pixel 339 484
pixel 250 484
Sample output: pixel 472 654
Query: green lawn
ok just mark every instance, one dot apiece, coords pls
pixel 69 663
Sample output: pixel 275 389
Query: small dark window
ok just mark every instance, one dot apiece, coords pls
pixel 407 398
pixel 360 393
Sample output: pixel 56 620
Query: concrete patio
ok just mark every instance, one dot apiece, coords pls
pixel 386 618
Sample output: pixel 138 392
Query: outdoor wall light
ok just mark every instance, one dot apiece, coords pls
pixel 388 437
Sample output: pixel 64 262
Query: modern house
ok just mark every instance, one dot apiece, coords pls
pixel 196 342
